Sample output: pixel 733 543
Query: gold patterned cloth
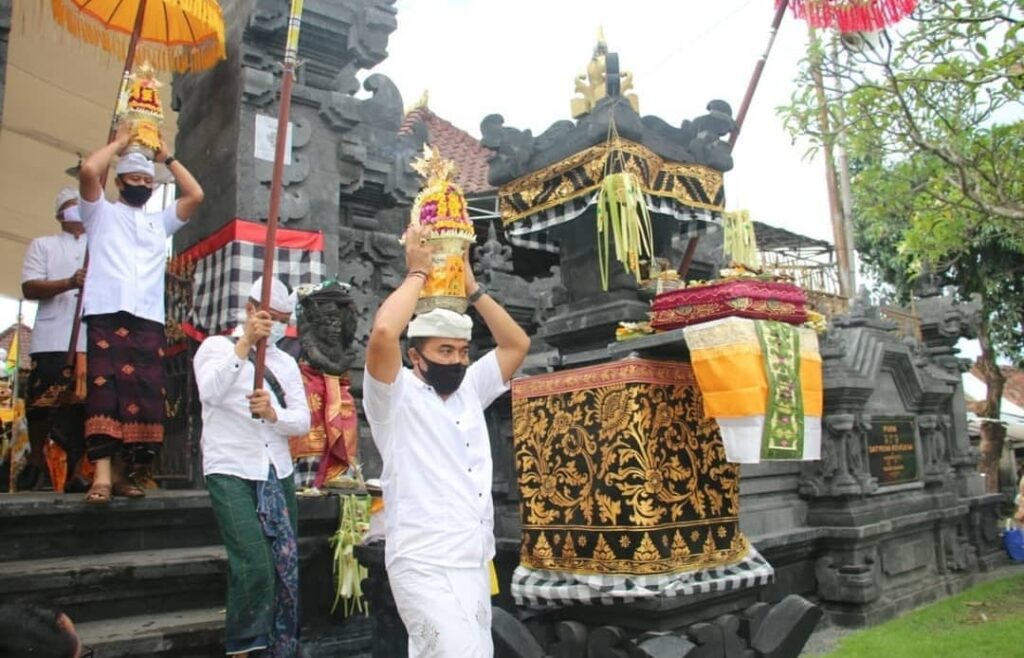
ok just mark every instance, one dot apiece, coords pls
pixel 621 472
pixel 561 192
pixel 762 383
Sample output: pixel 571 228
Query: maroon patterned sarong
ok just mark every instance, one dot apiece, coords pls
pixel 124 406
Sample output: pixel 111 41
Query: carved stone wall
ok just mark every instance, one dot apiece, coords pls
pixel 348 167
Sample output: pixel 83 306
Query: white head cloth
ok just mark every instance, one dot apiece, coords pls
pixel 280 299
pixel 65 195
pixel 441 323
pixel 135 163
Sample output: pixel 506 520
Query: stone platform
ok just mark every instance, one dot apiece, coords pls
pixel 147 577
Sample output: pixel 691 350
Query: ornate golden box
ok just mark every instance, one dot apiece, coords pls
pixel 621 473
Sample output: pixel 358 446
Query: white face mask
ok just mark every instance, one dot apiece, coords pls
pixel 70 214
pixel 276 332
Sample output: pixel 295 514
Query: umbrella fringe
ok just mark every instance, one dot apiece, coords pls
pixel 852 15
pixel 180 58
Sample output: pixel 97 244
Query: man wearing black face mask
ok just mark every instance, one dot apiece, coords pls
pixel 124 304
pixel 428 423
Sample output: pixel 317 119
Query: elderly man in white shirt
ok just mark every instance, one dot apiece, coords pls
pixel 124 303
pixel 428 423
pixel 248 470
pixel 52 274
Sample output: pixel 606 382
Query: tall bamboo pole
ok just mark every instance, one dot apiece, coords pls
pixel 839 234
pixel 276 183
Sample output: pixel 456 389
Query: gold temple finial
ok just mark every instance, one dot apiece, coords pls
pixel 432 166
pixel 592 86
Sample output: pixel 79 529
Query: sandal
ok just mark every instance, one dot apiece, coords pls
pixel 129 490
pixel 98 494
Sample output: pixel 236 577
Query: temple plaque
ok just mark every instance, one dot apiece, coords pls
pixel 892 450
pixel 621 473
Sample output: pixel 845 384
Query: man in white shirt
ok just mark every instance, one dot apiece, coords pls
pixel 248 470
pixel 428 423
pixel 124 304
pixel 52 274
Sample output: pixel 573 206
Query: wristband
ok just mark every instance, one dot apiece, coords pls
pixel 477 294
pixel 417 273
pixel 169 160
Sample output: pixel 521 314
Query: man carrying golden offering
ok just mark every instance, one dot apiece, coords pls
pixel 428 423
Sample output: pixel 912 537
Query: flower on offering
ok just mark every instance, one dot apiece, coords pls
pixel 441 206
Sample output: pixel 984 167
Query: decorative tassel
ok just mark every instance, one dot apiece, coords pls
pixel 852 15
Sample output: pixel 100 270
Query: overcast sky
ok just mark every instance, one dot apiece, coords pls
pixel 519 60
pixel 478 57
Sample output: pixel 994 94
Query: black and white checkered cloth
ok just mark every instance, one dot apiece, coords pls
pixel 540 588
pixel 532 232
pixel 223 279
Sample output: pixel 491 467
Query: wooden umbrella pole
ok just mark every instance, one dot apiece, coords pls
pixel 129 62
pixel 748 97
pixel 276 182
pixel 755 78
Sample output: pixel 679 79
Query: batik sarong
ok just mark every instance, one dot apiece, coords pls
pixel 258 523
pixel 53 414
pixel 124 406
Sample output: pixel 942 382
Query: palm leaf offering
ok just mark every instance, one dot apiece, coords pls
pixel 348 573
pixel 623 218
pixel 740 243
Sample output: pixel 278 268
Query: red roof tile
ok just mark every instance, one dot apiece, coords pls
pixel 455 144
pixel 1013 389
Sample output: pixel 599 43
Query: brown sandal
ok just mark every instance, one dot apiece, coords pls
pixel 98 494
pixel 129 490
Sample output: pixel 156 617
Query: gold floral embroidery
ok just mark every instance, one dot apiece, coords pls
pixel 127 369
pixel 122 332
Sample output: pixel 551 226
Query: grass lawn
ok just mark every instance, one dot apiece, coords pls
pixel 986 620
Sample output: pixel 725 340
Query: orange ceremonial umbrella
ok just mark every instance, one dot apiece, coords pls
pixel 173 35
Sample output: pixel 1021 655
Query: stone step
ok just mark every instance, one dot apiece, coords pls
pixel 199 633
pixel 51 525
pixel 195 633
pixel 93 587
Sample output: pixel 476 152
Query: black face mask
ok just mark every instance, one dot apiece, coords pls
pixel 444 377
pixel 136 195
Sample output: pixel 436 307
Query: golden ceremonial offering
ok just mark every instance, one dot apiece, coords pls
pixel 441 206
pixel 140 106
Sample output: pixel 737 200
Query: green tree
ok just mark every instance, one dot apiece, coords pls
pixel 931 116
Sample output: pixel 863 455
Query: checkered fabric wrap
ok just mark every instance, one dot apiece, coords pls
pixel 532 232
pixel 539 588
pixel 229 261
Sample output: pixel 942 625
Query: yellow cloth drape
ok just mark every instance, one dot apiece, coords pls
pixel 729 365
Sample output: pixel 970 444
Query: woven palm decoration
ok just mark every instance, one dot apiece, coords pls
pixel 622 217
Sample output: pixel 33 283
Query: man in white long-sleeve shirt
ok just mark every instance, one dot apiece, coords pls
pixel 248 470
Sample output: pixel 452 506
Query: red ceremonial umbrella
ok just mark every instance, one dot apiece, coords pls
pixel 843 16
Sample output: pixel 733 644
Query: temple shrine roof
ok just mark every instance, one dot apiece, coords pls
pixel 469 155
